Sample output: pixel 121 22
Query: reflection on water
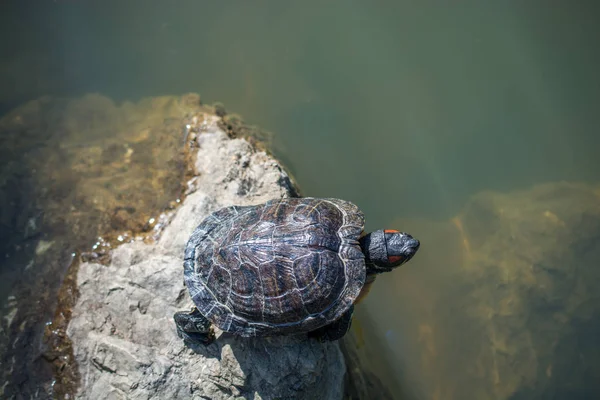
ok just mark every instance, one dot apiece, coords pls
pixel 408 110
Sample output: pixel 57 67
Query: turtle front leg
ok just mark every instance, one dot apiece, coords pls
pixel 336 330
pixel 193 327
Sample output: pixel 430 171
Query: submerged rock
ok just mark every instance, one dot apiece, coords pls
pixel 532 267
pixel 515 314
pixel 122 328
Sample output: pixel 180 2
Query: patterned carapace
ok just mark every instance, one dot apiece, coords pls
pixel 289 265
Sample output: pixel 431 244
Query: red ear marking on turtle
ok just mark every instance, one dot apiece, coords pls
pixel 390 231
pixel 395 259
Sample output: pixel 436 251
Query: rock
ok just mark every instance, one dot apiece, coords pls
pixel 122 328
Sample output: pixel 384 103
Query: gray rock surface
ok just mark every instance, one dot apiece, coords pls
pixel 122 330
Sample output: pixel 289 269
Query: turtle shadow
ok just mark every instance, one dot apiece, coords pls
pixel 241 346
pixel 272 367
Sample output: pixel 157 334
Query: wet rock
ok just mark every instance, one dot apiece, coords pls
pixel 123 334
pixel 235 127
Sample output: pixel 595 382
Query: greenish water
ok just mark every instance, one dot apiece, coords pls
pixel 414 105
pixel 406 108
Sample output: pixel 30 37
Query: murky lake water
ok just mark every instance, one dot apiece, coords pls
pixel 409 110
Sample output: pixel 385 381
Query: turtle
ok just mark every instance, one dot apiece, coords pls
pixel 288 266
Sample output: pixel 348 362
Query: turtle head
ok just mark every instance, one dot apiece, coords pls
pixel 385 250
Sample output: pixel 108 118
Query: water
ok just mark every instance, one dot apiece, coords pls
pixel 407 109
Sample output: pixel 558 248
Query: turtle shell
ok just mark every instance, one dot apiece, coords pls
pixel 290 265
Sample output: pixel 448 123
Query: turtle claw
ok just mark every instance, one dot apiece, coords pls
pixel 204 339
pixel 193 327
